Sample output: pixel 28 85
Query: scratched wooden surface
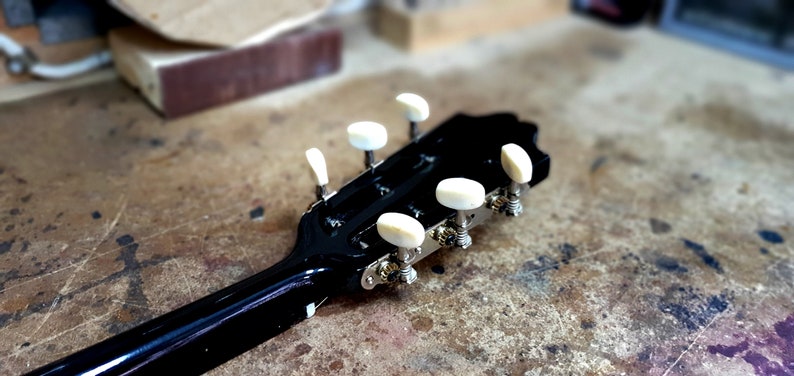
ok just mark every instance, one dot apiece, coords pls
pixel 661 243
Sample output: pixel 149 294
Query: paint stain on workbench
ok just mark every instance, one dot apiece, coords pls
pixel 770 236
pixel 135 296
pixel 300 350
pixel 125 240
pixel 6 246
pixel 669 264
pixel 659 226
pixel 729 350
pixel 568 252
pixel 534 273
pixel 692 309
pixel 257 214
pixel 554 349
pixel 769 353
pixel 701 252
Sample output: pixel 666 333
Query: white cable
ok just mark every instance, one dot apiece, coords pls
pixel 73 68
pixel 9 46
pixel 11 49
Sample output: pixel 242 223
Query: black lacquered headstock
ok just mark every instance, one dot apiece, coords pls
pixel 339 249
pixel 341 228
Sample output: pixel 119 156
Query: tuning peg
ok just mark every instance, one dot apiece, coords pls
pixel 367 136
pixel 416 110
pixel 317 163
pixel 518 166
pixel 461 194
pixel 407 234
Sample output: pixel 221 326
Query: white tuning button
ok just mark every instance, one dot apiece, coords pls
pixel 517 166
pixel 401 230
pixel 367 136
pixel 461 194
pixel 407 234
pixel 416 111
pixel 317 163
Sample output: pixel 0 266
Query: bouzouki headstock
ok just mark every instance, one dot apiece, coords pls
pixel 370 232
pixel 446 182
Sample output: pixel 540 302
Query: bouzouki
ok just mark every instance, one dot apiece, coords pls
pixel 370 232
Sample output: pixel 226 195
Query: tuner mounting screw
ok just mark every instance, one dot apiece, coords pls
pixel 518 166
pixel 416 111
pixel 461 195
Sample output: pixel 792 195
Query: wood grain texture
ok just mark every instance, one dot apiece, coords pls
pixel 659 245
pixel 220 22
pixel 179 80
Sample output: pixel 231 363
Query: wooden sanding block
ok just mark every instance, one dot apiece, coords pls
pixel 423 24
pixel 180 79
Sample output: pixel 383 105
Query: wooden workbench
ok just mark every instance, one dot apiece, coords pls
pixel 660 244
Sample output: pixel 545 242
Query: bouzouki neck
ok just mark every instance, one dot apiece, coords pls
pixel 370 232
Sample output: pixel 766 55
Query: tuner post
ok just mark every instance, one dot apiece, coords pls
pixel 367 136
pixel 404 258
pixel 416 110
pixel 513 207
pixel 461 194
pixel 369 159
pixel 462 237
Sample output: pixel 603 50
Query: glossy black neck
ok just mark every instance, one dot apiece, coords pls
pixel 210 331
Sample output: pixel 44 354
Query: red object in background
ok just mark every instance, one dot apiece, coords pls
pixel 617 12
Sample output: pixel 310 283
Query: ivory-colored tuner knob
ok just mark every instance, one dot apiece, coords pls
pixel 400 230
pixel 406 233
pixel 518 166
pixel 416 110
pixel 317 164
pixel 461 194
pixel 367 136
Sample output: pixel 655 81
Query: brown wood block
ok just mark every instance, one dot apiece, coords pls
pixel 179 79
pixel 434 26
